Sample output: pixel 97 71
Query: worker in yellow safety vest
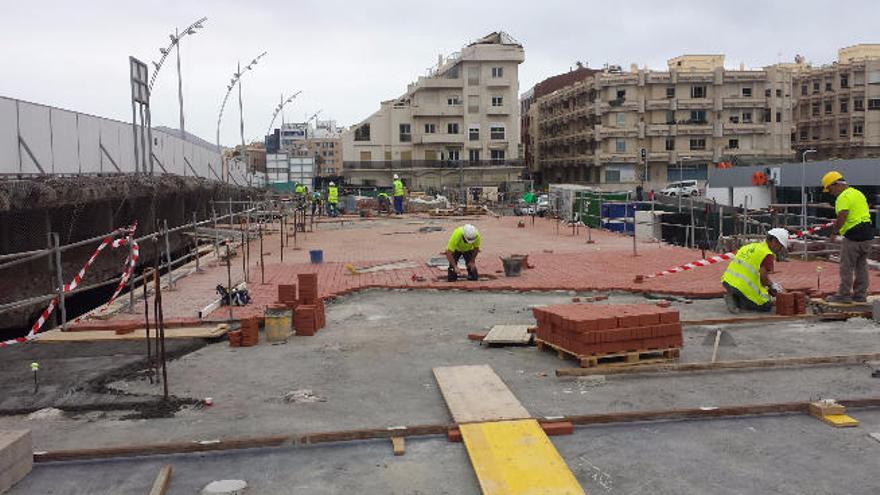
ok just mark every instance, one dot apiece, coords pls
pixel 463 243
pixel 747 278
pixel 853 222
pixel 332 200
pixel 399 193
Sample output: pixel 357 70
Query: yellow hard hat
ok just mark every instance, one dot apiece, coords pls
pixel 830 178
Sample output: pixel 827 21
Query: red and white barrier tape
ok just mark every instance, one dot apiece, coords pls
pixel 77 279
pixel 728 256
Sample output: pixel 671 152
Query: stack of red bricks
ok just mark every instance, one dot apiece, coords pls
pixel 791 303
pixel 246 336
pixel 309 314
pixel 595 330
pixel 287 295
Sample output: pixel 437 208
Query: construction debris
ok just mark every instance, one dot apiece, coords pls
pixel 225 487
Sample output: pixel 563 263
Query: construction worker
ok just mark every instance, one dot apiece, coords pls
pixel 332 199
pixel 384 202
pixel 747 278
pixel 463 243
pixel 399 192
pixel 316 203
pixel 853 222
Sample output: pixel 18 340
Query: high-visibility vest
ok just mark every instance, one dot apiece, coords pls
pixel 300 189
pixel 332 195
pixel 744 272
pixel 852 200
pixel 398 187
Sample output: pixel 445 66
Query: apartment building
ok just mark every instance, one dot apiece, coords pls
pixel 458 125
pixel 837 106
pixel 324 142
pixel 623 128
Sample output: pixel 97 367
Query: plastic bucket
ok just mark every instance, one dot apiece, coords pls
pixel 512 266
pixel 316 255
pixel 278 324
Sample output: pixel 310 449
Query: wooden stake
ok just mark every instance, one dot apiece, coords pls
pixel 398 445
pixel 160 486
pixel 715 347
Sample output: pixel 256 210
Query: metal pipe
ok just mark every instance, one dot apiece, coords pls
pixel 168 256
pixel 60 279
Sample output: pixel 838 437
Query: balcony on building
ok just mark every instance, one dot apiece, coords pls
pixel 744 102
pixel 498 110
pixel 438 110
pixel 440 138
pixel 744 76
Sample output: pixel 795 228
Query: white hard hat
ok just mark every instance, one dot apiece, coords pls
pixel 396 177
pixel 469 233
pixel 332 184
pixel 781 235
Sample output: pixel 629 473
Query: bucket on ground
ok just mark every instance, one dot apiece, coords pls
pixel 513 265
pixel 279 322
pixel 316 255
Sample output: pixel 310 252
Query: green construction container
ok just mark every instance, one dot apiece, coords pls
pixel 588 205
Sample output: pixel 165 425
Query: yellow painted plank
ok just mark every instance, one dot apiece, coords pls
pixel 839 420
pixel 517 458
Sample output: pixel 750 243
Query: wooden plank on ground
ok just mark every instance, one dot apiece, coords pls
pixel 160 486
pixel 475 393
pixel 205 332
pixel 517 458
pixel 398 445
pixel 508 334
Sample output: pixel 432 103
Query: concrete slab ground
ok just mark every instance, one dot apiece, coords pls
pixel 789 454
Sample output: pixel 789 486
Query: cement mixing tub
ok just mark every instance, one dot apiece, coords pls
pixel 513 265
pixel 278 324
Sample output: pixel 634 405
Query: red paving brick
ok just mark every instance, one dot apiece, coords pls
pixel 562 262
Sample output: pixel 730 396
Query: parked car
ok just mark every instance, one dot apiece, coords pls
pixel 543 205
pixel 522 208
pixel 685 188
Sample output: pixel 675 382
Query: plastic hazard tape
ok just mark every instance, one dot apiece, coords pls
pixel 77 279
pixel 728 256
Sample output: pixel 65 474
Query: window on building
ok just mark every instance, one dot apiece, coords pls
pixel 473 75
pixel 747 117
pixel 698 91
pixel 453 155
pixel 734 119
pixel 452 128
pixel 803 134
pixel 405 133
pixel 474 155
pixel 779 93
pixel 621 94
pixel 803 90
pixel 698 116
pixel 747 92
pixel 858 105
pixel 858 129
pixel 406 156
pixel 621 120
pixel 844 105
pixel 670 92
pixel 733 144
pixel 767 115
pixel 473 104
pixel 453 100
pixel 768 92
pixel 829 86
pixel 362 133
pixel 844 132
pixel 844 80
pixel 430 128
pixel 829 107
pixel 620 146
pixel 698 144
pixel 497 101
pixel 496 132
pixel 612 175
pixel 874 104
pixel 687 171
pixel 366 156
pixel 670 116
pixel 816 85
pixel 452 73
pixel 815 108
pixel 670 144
pixel 388 156
pixel 473 132
pixel 497 72
pixel 778 116
pixel 496 155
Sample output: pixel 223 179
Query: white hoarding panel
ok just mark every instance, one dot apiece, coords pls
pixel 64 142
pixel 35 132
pixel 8 137
pixel 89 141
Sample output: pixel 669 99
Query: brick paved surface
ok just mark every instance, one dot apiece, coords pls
pixel 562 261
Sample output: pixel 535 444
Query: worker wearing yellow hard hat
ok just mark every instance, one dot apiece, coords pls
pixel 853 222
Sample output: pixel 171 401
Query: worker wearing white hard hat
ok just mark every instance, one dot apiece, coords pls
pixel 332 199
pixel 463 243
pixel 747 278
pixel 398 193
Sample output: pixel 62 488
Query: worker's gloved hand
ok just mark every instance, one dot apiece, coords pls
pixel 776 288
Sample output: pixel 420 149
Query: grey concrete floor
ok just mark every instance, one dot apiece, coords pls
pixel 790 454
pixel 373 365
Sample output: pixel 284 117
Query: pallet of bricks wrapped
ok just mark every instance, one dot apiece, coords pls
pixel 309 311
pixel 791 303
pixel 609 334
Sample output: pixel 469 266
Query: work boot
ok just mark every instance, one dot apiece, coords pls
pixel 451 274
pixel 859 299
pixel 472 274
pixel 836 298
pixel 730 301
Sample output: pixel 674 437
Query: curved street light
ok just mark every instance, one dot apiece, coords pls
pixel 279 108
pixel 235 80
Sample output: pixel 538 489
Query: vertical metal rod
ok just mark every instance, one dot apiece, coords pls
pixel 214 235
pixel 262 263
pixel 247 230
pixel 693 230
pixel 60 278
pixel 150 364
pixel 180 90
pixel 168 255
pixel 160 329
pixel 243 258
pixel 282 238
pixel 229 277
pixel 131 279
pixel 196 242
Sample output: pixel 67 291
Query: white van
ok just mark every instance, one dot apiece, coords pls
pixel 685 188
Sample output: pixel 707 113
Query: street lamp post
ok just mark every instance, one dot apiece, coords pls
pixel 803 188
pixel 236 80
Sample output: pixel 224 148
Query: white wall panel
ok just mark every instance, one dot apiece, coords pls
pixel 8 137
pixel 89 138
pixel 34 129
pixel 64 142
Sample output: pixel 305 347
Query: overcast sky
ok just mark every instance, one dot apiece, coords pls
pixel 347 56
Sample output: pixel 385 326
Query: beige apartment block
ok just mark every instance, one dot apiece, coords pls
pixel 686 119
pixel 458 124
pixel 324 142
pixel 837 106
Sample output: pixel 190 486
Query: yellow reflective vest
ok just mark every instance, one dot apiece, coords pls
pixel 744 272
pixel 332 195
pixel 398 187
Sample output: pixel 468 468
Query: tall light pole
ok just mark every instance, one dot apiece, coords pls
pixel 279 108
pixel 175 44
pixel 803 189
pixel 236 78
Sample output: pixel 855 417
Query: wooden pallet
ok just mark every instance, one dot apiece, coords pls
pixel 631 358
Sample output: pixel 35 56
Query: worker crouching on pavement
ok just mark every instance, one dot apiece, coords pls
pixel 747 278
pixel 853 222
pixel 463 243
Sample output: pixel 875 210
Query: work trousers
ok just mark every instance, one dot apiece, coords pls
pixel 743 302
pixel 468 258
pixel 854 265
pixel 398 204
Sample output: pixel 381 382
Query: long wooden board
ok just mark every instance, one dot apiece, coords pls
pixel 476 393
pixel 57 336
pixel 517 458
pixel 508 334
